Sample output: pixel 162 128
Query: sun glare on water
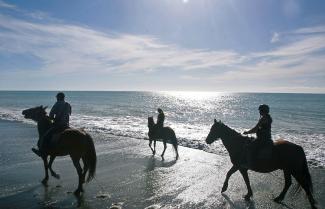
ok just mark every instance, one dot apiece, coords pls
pixel 193 95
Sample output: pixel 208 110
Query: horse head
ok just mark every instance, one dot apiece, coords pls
pixel 151 122
pixel 215 132
pixel 35 113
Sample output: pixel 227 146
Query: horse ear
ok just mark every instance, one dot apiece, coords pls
pixel 215 121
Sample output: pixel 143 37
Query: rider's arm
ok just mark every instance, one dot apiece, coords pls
pixel 53 111
pixel 254 130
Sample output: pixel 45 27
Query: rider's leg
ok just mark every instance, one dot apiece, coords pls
pixel 39 144
pixel 46 140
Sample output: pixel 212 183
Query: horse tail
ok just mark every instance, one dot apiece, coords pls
pixel 306 173
pixel 175 143
pixel 91 158
pixel 302 174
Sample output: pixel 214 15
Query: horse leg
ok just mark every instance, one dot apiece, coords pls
pixel 55 175
pixel 246 179
pixel 150 142
pixel 287 184
pixel 154 146
pixel 46 178
pixel 76 164
pixel 232 170
pixel 86 167
pixel 165 146
pixel 176 150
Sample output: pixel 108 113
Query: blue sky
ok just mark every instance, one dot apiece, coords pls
pixel 186 45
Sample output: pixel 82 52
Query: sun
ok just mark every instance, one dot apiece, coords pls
pixel 185 1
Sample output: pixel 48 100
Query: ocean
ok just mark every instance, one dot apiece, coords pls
pixel 299 118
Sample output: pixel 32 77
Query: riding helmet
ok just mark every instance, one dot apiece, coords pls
pixel 264 108
pixel 60 96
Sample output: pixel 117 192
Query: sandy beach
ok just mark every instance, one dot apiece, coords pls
pixel 129 176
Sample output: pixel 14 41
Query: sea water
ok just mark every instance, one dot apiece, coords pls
pixel 299 118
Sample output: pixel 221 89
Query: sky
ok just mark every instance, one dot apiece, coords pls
pixel 163 45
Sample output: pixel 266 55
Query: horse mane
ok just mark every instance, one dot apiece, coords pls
pixel 151 122
pixel 45 118
pixel 229 130
pixel 233 133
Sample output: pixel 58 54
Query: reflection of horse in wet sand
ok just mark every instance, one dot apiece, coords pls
pixel 73 142
pixel 286 156
pixel 164 133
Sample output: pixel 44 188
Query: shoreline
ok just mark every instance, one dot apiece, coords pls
pixel 128 175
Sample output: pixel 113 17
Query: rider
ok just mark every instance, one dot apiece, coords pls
pixel 263 132
pixel 60 114
pixel 160 119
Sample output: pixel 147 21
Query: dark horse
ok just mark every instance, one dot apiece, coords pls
pixel 73 142
pixel 165 133
pixel 286 156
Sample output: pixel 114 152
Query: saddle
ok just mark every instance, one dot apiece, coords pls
pixel 54 140
pixel 254 153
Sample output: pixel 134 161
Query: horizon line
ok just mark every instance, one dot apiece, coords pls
pixel 157 91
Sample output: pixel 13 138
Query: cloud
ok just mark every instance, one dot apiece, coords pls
pixel 310 30
pixel 70 48
pixel 6 5
pixel 63 48
pixel 275 38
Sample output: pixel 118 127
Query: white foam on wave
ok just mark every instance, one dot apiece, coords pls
pixel 13 115
pixel 189 135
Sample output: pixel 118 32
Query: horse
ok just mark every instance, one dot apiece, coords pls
pixel 76 143
pixel 286 156
pixel 164 133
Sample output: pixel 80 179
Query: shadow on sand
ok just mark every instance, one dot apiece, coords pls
pixel 154 163
pixel 239 204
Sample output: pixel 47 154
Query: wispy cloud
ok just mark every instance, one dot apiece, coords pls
pixel 67 49
pixel 6 5
pixel 275 37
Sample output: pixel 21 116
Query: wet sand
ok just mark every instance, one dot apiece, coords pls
pixel 130 177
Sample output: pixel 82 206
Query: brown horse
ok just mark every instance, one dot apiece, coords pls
pixel 286 156
pixel 73 142
pixel 165 133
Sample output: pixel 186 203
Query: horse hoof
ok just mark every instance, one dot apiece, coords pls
pixel 224 188
pixel 77 193
pixel 278 199
pixel 57 176
pixel 247 197
pixel 44 182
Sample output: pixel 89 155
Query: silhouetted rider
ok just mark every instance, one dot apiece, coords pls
pixel 160 119
pixel 263 132
pixel 60 114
